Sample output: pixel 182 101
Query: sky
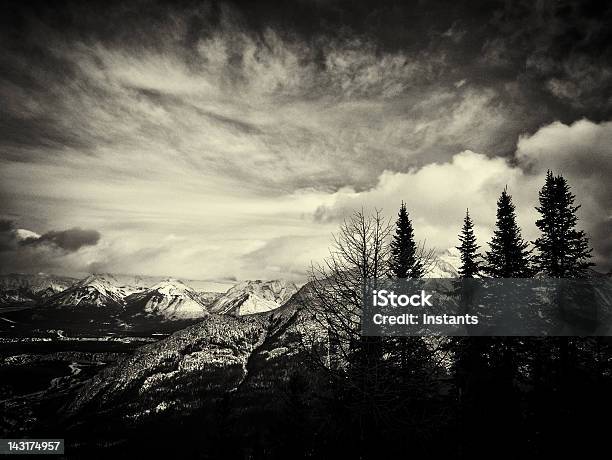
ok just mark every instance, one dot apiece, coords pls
pixel 228 140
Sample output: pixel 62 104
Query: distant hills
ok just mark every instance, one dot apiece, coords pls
pixel 21 288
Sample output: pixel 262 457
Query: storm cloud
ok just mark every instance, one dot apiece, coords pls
pixel 200 139
pixel 69 240
pixel 59 251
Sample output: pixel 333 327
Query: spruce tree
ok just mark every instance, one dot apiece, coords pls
pixel 409 352
pixel 404 261
pixel 509 256
pixel 470 265
pixel 563 251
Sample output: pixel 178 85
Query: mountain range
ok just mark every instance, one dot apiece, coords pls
pixel 117 290
pixel 103 303
pixel 127 299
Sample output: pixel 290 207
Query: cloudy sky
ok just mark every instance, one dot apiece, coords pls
pixel 229 139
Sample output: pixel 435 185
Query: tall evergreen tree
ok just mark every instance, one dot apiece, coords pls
pixel 404 260
pixel 470 264
pixel 563 251
pixel 410 353
pixel 509 256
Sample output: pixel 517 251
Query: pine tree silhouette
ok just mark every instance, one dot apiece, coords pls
pixel 509 256
pixel 404 261
pixel 563 251
pixel 470 265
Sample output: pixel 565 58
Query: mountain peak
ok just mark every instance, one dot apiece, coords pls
pixel 254 296
pixel 99 290
pixel 171 286
pixel 446 264
pixel 171 299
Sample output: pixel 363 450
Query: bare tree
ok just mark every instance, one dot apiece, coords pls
pixel 357 261
pixel 427 257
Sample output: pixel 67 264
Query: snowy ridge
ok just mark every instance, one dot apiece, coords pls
pixel 18 288
pixel 170 299
pixel 251 297
pixel 446 265
pixel 93 291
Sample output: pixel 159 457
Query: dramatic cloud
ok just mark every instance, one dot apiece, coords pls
pixel 69 240
pixel 581 151
pixel 438 194
pixel 62 251
pixel 11 237
pixel 201 140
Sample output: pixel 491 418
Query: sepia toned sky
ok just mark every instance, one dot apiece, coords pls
pixel 230 139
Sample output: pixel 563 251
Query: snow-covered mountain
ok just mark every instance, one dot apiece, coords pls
pixel 170 299
pixel 250 297
pixel 141 282
pixel 129 299
pixel 19 288
pixel 93 291
pixel 446 265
